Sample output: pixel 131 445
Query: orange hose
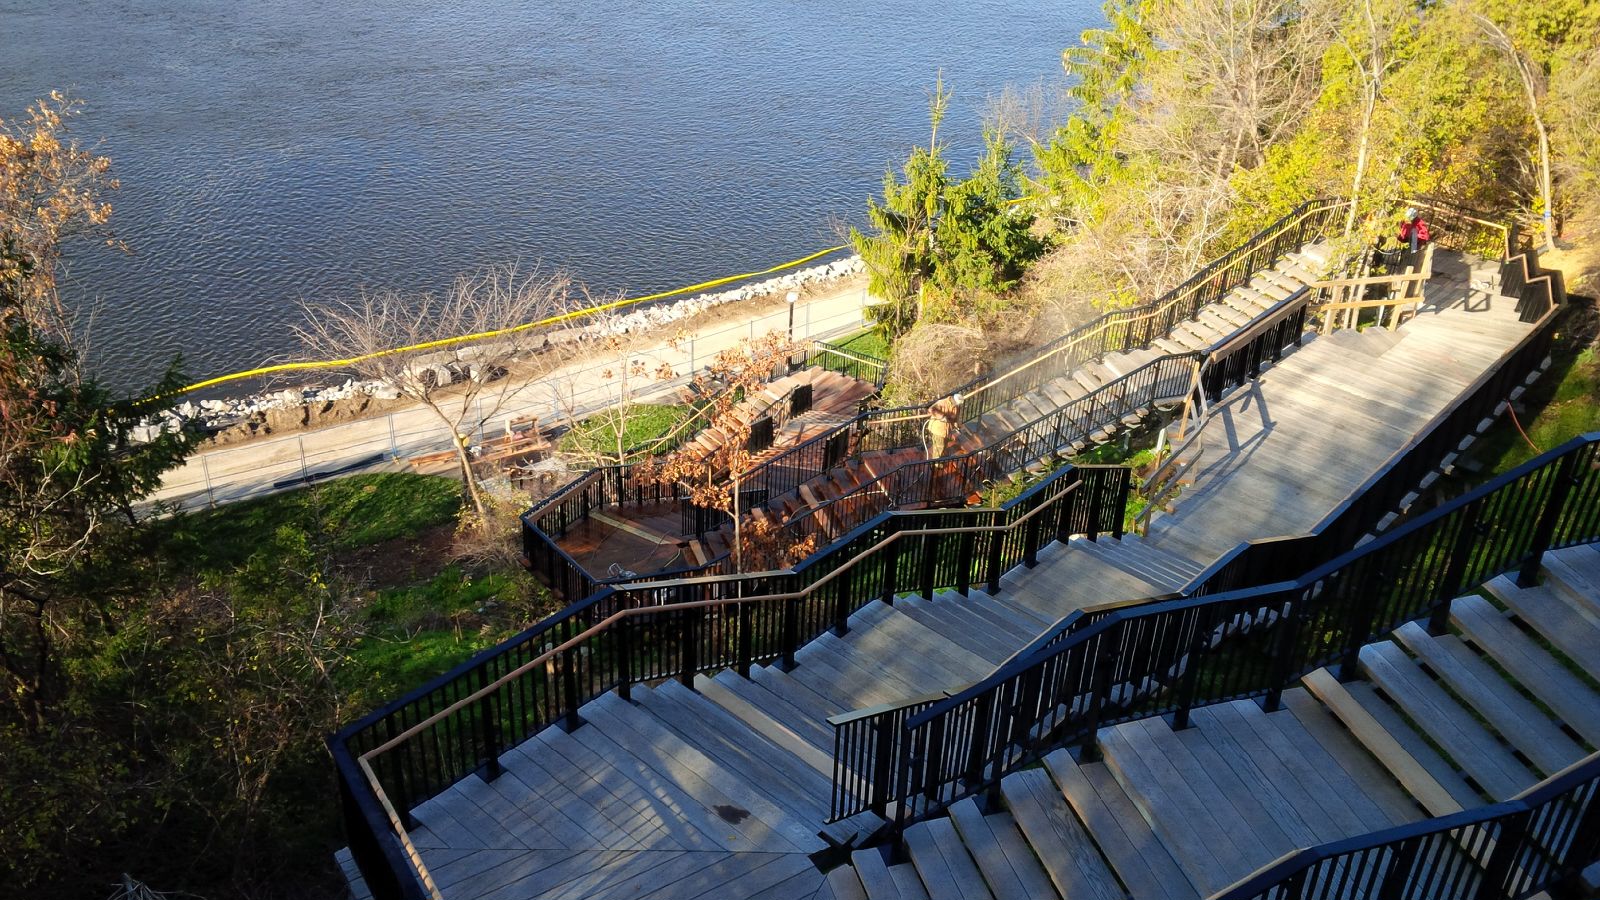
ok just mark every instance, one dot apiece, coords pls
pixel 1512 410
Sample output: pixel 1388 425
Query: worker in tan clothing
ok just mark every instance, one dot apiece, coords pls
pixel 943 416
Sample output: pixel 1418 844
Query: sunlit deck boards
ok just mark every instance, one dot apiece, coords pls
pixel 719 793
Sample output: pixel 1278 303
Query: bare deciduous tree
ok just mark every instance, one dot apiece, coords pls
pixel 714 480
pixel 464 383
pixel 1532 79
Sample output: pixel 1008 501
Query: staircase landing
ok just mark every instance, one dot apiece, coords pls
pixel 721 791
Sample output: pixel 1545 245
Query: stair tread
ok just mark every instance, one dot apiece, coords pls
pixel 1450 726
pixel 876 882
pixel 733 746
pixel 1282 790
pixel 1542 674
pixel 1338 772
pixel 845 884
pixel 1137 856
pixel 639 733
pixel 1564 627
pixel 1065 850
pixel 1180 817
pixel 908 881
pixel 1513 716
pixel 1571 574
pixel 1407 757
pixel 1007 862
pixel 946 869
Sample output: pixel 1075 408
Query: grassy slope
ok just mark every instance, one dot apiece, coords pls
pixel 642 422
pixel 413 628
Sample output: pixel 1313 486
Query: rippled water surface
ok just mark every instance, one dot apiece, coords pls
pixel 283 150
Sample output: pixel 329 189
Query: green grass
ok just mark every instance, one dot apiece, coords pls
pixel 870 342
pixel 415 633
pixel 1562 405
pixel 641 422
pixel 404 635
pixel 346 513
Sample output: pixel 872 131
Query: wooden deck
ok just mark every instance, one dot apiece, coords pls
pixel 645 538
pixel 720 791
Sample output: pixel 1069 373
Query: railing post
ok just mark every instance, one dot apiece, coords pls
pixel 689 644
pixel 882 764
pixel 1508 845
pixel 1030 541
pixel 569 689
pixel 1288 632
pixel 930 561
pixel 625 658
pixel 1104 664
pixel 1566 476
pixel 891 563
pixel 1363 610
pixel 841 603
pixel 790 626
pixel 982 727
pixel 1398 872
pixel 1456 569
pixel 996 545
pixel 489 726
pixel 1199 640
pixel 745 639
pixel 964 561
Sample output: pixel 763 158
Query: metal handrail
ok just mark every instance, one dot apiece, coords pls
pixel 364 760
pixel 1156 307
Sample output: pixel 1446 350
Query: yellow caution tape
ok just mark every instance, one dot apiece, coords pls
pixel 449 342
pixel 467 338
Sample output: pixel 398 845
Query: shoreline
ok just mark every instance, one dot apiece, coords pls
pixel 233 420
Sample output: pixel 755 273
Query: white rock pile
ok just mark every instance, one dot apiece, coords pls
pixel 214 415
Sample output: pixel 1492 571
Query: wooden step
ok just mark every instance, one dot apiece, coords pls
pixel 1429 781
pixel 1491 696
pixel 1541 674
pixel 1474 749
pixel 1009 866
pixel 1180 811
pixel 1573 575
pixel 943 864
pixel 846 883
pixel 1064 848
pixel 1551 616
pixel 874 875
pixel 1135 854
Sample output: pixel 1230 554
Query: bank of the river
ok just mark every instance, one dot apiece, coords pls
pixel 233 420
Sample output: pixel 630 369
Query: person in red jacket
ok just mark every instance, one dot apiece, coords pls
pixel 1414 231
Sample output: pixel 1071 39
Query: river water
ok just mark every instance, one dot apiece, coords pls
pixel 282 151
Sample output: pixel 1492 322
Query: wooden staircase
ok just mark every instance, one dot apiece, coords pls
pixel 1210 325
pixel 835 398
pixel 1434 724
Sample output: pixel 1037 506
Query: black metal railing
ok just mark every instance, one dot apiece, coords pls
pixel 1157 658
pixel 1030 706
pixel 460 723
pixel 1137 327
pixel 847 361
pixel 1542 838
pixel 1118 331
pixel 1052 435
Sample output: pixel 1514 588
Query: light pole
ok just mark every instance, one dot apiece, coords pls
pixel 791 298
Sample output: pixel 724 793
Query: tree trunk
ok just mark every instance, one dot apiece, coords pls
pixel 1547 196
pixel 1369 102
pixel 738 542
pixel 471 484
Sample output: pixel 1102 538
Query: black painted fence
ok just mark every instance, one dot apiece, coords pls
pixel 460 723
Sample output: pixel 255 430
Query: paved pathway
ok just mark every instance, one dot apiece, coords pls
pixel 226 474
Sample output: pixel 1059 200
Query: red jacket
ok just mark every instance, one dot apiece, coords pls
pixel 1422 231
